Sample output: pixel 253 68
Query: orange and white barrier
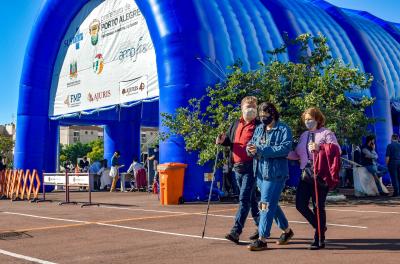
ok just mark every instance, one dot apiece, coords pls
pixel 19 184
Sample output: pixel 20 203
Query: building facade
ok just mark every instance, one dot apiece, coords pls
pixel 83 134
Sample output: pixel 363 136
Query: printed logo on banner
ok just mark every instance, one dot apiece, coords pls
pixel 98 96
pixel 54 179
pixel 119 20
pixel 73 100
pixel 73 70
pixel 78 180
pixel 94 29
pixel 133 89
pixel 98 64
pixel 74 40
pixel 133 50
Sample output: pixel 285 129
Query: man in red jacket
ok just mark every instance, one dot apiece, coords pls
pixel 239 134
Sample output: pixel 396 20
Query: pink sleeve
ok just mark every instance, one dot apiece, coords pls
pixel 295 155
pixel 331 138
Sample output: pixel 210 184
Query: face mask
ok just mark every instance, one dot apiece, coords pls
pixel 267 120
pixel 94 39
pixel 249 113
pixel 310 124
pixel 155 150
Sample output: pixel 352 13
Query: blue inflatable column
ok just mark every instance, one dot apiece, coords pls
pixel 37 145
pixel 125 137
pixel 36 139
pixel 30 147
pixel 180 38
pixel 52 147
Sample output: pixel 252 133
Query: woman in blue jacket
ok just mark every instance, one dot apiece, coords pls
pixel 270 145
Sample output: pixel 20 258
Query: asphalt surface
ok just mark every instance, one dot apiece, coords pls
pixel 135 228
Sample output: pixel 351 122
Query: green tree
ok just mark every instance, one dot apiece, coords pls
pixel 74 151
pixel 63 157
pixel 316 79
pixel 6 149
pixel 97 152
pixel 6 145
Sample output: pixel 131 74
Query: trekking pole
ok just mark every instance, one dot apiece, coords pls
pixel 317 198
pixel 209 195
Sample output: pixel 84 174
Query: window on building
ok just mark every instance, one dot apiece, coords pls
pixel 76 137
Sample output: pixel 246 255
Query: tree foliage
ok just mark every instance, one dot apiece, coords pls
pixel 315 80
pixel 97 152
pixel 6 149
pixel 73 152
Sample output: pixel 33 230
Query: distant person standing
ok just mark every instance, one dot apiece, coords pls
pixel 155 158
pixel 94 168
pixel 393 163
pixel 114 172
pixel 228 179
pixel 2 165
pixel 105 179
pixel 84 164
pixel 66 165
pixel 369 159
pixel 136 169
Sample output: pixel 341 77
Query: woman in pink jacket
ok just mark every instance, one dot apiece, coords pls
pixel 309 143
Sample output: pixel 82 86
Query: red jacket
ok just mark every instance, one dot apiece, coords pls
pixel 327 164
pixel 244 133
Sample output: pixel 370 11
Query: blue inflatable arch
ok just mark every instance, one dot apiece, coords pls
pixel 194 41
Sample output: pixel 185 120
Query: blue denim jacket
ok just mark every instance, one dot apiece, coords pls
pixel 273 146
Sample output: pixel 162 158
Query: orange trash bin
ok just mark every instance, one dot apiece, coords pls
pixel 171 182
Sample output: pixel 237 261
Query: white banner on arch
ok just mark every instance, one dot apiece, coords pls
pixel 106 58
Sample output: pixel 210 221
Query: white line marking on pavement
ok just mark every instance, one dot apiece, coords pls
pixel 45 217
pixel 340 225
pixel 15 255
pixel 226 216
pixel 299 222
pixel 348 210
pixel 146 230
pixel 143 210
pixel 161 232
pixel 118 226
pixel 361 211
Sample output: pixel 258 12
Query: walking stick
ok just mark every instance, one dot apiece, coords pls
pixel 209 195
pixel 317 198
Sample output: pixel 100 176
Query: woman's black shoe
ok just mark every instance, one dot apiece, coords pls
pixel 316 245
pixel 285 237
